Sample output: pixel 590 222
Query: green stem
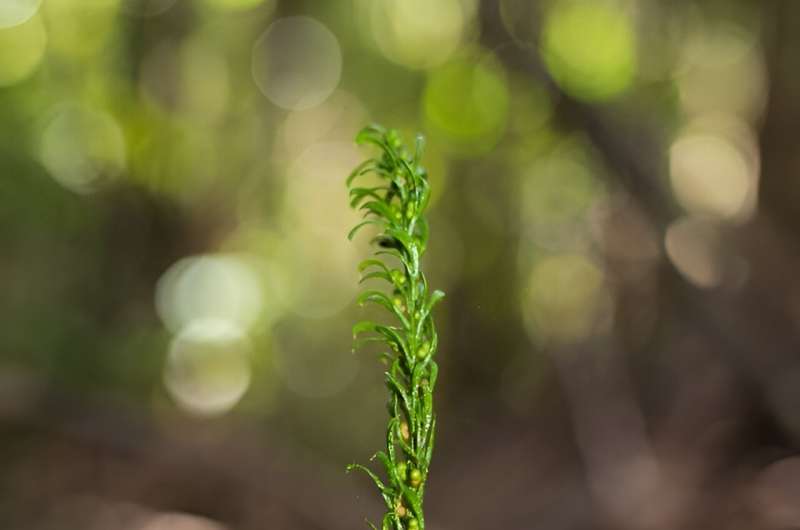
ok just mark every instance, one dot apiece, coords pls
pixel 397 206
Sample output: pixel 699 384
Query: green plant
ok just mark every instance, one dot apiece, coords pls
pixel 396 204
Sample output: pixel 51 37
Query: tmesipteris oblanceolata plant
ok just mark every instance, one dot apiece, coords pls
pixel 396 205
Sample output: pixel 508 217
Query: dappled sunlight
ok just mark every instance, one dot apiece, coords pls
pixel 565 300
pixel 714 60
pixel 320 293
pixel 313 183
pixel 557 193
pixel 221 287
pixel 590 48
pixel 694 247
pixel 191 80
pixel 208 366
pixel 297 63
pixel 710 175
pixel 417 33
pixel 16 12
pixel 179 521
pixel 22 49
pixel 82 147
pixel 613 214
pixel 465 103
pixel 338 119
pixel 80 34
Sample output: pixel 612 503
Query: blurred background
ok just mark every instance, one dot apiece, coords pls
pixel 616 221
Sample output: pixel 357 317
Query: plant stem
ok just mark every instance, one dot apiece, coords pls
pixel 397 206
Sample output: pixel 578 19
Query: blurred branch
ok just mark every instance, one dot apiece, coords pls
pixel 750 326
pixel 629 149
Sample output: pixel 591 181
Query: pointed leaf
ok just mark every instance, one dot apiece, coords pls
pixel 398 387
pixel 372 263
pixel 358 467
pixel 364 326
pixel 359 194
pixel 363 168
pixel 435 298
pixel 379 208
pixel 380 298
pixel 377 274
pixel 362 224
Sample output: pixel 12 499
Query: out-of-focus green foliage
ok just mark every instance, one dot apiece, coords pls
pixel 590 48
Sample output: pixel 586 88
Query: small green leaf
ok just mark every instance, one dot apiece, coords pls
pixel 377 275
pixel 413 500
pixel 435 298
pixel 422 231
pixel 362 169
pixel 372 129
pixel 359 194
pixel 368 471
pixel 364 326
pixel 434 375
pixel 383 458
pixel 397 254
pixel 398 387
pixel 372 135
pixel 406 241
pixel 379 208
pixel 380 298
pixel 362 224
pixel 367 263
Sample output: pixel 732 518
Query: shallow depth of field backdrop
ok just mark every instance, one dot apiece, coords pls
pixel 616 221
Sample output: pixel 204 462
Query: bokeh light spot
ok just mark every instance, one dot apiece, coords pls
pixel 297 63
pixel 317 225
pixel 722 69
pixel 208 368
pixel 315 179
pixel 319 292
pixel 204 79
pixel 777 487
pixel 16 12
pixel 557 192
pixel 179 521
pixel 564 299
pixel 590 49
pixel 339 118
pixel 711 176
pixel 694 247
pixel 81 147
pixel 466 103
pixel 192 79
pixel 223 287
pixel 22 49
pixel 417 33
